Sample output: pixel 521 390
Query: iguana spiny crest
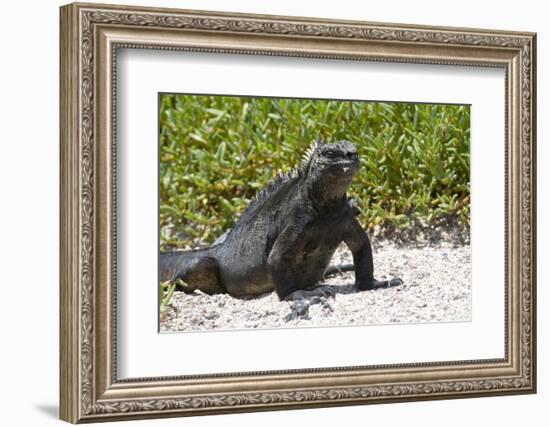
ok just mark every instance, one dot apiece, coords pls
pixel 327 169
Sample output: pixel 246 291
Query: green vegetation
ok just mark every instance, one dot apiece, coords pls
pixel 216 152
pixel 166 292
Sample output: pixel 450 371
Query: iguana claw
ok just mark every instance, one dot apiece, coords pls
pixel 300 307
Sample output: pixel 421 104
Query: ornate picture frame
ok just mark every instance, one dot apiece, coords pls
pixel 90 37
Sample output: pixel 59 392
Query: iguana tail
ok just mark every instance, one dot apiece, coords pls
pixel 374 284
pixel 191 270
pixel 336 269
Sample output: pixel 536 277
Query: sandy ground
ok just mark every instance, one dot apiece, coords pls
pixel 436 288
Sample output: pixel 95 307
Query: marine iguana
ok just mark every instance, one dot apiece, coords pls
pixel 285 238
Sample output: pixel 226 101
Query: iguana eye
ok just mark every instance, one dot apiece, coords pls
pixel 331 154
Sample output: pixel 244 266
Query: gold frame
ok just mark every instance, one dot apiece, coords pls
pixel 90 36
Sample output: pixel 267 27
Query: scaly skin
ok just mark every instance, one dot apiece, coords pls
pixel 285 239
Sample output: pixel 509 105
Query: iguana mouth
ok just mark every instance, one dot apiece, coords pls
pixel 345 166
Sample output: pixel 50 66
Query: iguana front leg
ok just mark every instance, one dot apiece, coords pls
pixel 289 287
pixel 358 242
pixel 281 260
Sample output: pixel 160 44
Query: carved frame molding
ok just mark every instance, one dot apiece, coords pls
pixel 90 36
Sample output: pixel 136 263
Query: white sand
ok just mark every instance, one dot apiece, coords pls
pixel 437 288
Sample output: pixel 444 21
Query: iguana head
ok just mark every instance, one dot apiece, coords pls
pixel 339 159
pixel 330 167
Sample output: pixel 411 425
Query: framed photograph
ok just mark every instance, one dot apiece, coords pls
pixel 267 212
